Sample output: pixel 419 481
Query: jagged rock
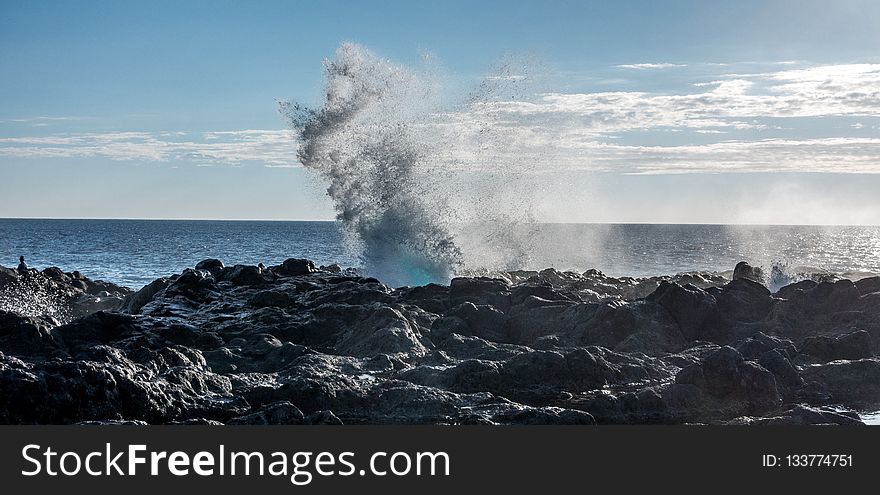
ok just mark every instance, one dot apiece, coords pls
pixel 297 345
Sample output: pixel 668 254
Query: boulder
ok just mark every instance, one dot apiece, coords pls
pixel 294 267
pixel 743 270
pixel 854 345
pixel 214 266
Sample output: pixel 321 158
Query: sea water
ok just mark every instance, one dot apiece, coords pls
pixel 135 252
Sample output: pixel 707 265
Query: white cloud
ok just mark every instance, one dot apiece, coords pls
pixel 729 123
pixel 646 66
pixel 272 147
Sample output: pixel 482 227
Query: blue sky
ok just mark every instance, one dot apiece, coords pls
pixel 729 112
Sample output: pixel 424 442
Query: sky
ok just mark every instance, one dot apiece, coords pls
pixel 633 111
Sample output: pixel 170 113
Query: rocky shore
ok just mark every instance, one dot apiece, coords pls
pixel 296 344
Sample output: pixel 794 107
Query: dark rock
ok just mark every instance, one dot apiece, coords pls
pixel 214 266
pixel 293 267
pixel 868 285
pixel 243 275
pixel 801 414
pixel 777 362
pixel 689 306
pixel 250 345
pixel 744 300
pixel 760 343
pixel 854 345
pixel 746 271
pixel 277 413
pixel 742 385
pixel 854 384
pixel 139 299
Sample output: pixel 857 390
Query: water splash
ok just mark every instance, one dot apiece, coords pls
pixel 391 152
pixel 782 273
pixel 32 296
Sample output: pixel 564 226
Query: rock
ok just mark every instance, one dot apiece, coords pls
pixel 800 414
pixel 868 285
pixel 743 270
pixel 777 362
pixel 277 413
pixel 271 298
pixel 480 290
pixel 689 306
pixel 334 268
pixel 134 302
pixel 853 384
pixel 755 346
pixel 854 345
pixel 469 319
pixel 742 300
pixel 56 274
pixel 243 275
pixel 297 345
pixel 294 267
pixel 741 385
pixel 7 276
pixel 325 417
pixel 214 266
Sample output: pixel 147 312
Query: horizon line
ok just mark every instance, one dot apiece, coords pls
pixel 280 220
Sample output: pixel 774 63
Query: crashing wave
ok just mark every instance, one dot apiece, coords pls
pixel 390 150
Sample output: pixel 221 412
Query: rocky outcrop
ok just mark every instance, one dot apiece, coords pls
pixel 296 344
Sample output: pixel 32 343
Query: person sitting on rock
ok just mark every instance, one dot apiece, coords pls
pixel 22 266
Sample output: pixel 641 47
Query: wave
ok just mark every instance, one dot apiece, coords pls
pixel 389 149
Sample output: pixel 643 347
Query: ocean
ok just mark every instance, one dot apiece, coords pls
pixel 135 252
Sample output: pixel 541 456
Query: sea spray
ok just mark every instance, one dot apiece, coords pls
pixel 413 179
pixel 32 296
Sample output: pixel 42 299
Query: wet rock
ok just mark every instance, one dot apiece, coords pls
pixel 743 270
pixel 297 345
pixel 855 345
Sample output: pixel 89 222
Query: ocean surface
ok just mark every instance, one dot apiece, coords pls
pixel 135 252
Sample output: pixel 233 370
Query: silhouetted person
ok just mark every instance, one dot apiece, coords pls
pixel 22 266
